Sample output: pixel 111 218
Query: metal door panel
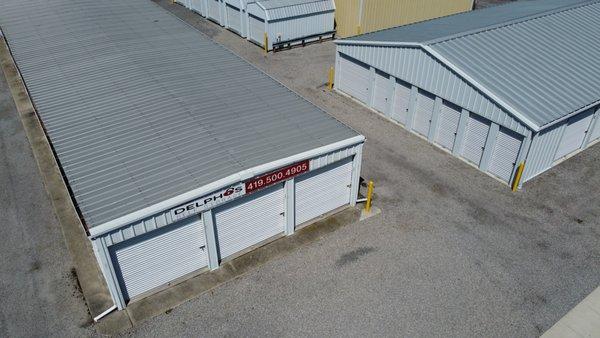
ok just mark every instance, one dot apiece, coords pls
pixel 448 125
pixel 214 10
pixel 382 92
pixel 234 18
pixel 423 113
pixel 323 190
pixel 355 79
pixel 574 134
pixel 475 139
pixel 505 154
pixel 249 220
pixel 257 30
pixel 401 102
pixel 158 257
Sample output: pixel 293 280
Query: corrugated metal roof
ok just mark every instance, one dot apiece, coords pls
pixel 545 66
pixel 141 107
pixel 281 9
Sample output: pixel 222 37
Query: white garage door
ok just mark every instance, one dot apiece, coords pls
pixel 214 10
pixel 323 190
pixel 234 18
pixel 475 138
pixel 157 258
pixel 257 30
pixel 250 220
pixel 505 153
pixel 423 112
pixel 596 131
pixel 448 125
pixel 401 102
pixel 574 134
pixel 382 92
pixel 185 3
pixel 355 79
pixel 196 5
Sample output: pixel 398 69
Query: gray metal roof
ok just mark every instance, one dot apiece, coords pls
pixel 141 107
pixel 281 9
pixel 544 66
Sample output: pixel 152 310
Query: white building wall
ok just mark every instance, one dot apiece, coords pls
pixel 298 27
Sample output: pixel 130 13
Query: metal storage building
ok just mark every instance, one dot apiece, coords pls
pixel 178 153
pixel 285 22
pixel 354 17
pixel 496 87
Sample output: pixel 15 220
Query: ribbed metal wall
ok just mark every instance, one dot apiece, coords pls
pixel 381 14
pixel 300 26
pixel 416 67
pixel 541 153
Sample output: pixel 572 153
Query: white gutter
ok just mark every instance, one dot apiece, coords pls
pixel 220 184
pixel 454 68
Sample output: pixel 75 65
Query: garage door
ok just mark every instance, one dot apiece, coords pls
pixel 475 138
pixel 196 5
pixel 382 93
pixel 214 10
pixel 423 112
pixel 158 257
pixel 185 3
pixel 249 220
pixel 448 125
pixel 596 131
pixel 574 134
pixel 505 153
pixel 257 30
pixel 401 102
pixel 323 190
pixel 234 18
pixel 355 79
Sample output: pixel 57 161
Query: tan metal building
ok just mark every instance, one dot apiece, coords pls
pixel 363 16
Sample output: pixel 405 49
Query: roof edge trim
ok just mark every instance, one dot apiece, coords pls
pixel 571 114
pixel 219 184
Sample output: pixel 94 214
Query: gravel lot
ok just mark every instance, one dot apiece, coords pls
pixel 454 252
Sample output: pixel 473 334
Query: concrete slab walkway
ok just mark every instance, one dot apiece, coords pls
pixel 582 321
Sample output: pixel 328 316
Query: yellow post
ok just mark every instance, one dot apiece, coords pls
pixel 358 30
pixel 330 83
pixel 266 43
pixel 517 180
pixel 369 197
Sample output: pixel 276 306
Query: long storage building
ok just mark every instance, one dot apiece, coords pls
pixel 278 23
pixel 497 87
pixel 178 153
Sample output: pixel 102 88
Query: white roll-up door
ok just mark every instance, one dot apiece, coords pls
pixel 185 3
pixel 448 125
pixel 156 258
pixel 257 29
pixel 355 79
pixel 196 5
pixel 214 10
pixel 505 154
pixel 401 102
pixel 596 131
pixel 574 134
pixel 382 92
pixel 423 112
pixel 250 220
pixel 234 18
pixel 323 190
pixel 475 138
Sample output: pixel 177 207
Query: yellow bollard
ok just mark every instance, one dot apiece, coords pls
pixel 358 30
pixel 369 197
pixel 266 44
pixel 517 180
pixel 330 83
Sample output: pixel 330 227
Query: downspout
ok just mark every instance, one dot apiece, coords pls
pixel 105 313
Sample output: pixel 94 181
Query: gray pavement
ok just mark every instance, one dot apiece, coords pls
pixel 39 294
pixel 454 252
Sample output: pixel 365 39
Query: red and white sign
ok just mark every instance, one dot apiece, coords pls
pixel 282 174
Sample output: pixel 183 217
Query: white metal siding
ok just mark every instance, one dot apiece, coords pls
pixel 355 79
pixel 250 220
pixel 447 125
pixel 423 113
pixel 596 132
pixel 505 153
pixel 401 102
pixel 257 30
pixel 214 10
pixel 156 258
pixel 234 18
pixel 475 138
pixel 323 190
pixel 574 134
pixel 382 92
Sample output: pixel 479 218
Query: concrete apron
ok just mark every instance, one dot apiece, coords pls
pixel 90 279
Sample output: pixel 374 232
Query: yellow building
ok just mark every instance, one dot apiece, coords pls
pixel 362 16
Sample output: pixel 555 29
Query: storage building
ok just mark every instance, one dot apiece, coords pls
pixel 178 153
pixel 496 87
pixel 285 22
pixel 353 17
